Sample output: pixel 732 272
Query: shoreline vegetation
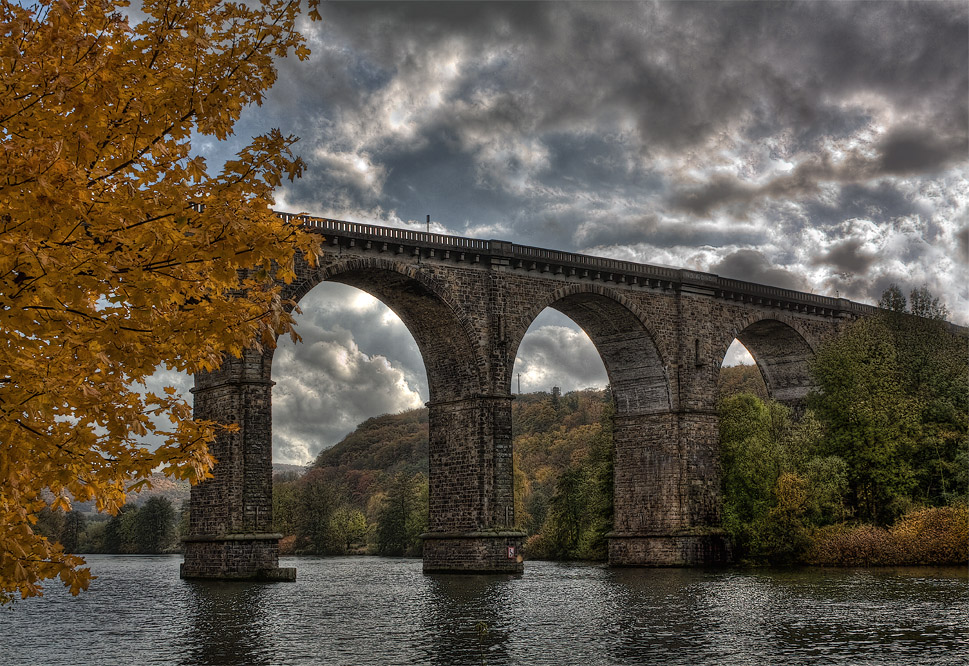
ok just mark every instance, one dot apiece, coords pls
pixel 872 470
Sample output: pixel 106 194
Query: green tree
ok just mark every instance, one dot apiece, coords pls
pixel 566 513
pixel 286 506
pixel 119 533
pixel 870 421
pixel 154 529
pixel 776 485
pixel 317 501
pixel 753 456
pixel 402 517
pixel 73 531
pixel 92 539
pixel 184 520
pixel 933 368
pixel 782 534
pixel 894 399
pixel 50 523
pixel 348 526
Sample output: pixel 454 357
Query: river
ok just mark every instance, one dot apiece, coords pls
pixel 368 610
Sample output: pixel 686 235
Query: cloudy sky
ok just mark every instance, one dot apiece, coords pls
pixel 815 146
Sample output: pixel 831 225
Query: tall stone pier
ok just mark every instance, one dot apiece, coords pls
pixel 230 521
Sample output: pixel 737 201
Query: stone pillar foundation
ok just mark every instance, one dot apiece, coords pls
pixel 253 557
pixel 709 548
pixel 473 552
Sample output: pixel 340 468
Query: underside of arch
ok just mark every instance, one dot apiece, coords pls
pixel 783 356
pixel 444 343
pixel 636 375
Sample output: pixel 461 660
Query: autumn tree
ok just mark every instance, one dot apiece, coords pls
pixel 120 252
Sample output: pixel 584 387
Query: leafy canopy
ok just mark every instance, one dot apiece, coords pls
pixel 107 270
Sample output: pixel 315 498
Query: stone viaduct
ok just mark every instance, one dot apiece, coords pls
pixel 662 334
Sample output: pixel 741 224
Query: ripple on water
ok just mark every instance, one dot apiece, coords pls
pixel 386 611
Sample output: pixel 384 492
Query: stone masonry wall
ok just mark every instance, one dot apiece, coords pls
pixel 468 304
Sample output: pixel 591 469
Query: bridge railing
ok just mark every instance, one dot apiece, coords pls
pixel 388 234
pixel 781 293
pixel 595 263
pixel 514 251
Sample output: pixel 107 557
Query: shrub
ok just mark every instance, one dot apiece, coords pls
pixel 934 536
pixel 938 535
pixel 853 546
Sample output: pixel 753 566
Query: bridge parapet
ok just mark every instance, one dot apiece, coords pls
pixel 574 266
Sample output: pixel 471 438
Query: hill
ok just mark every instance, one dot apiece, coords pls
pixel 387 456
pixel 742 379
pixel 390 443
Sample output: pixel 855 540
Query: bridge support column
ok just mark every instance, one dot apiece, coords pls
pixel 230 523
pixel 472 506
pixel 666 491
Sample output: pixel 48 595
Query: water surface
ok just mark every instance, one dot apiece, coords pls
pixel 365 610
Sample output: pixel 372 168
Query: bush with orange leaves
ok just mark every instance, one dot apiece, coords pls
pixel 938 535
pixel 927 536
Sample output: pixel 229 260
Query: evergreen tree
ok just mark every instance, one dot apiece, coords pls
pixel 119 534
pixel 50 523
pixel 72 531
pixel 317 502
pixel 403 516
pixel 154 530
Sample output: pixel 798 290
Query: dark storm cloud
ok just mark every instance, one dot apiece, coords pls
pixel 901 153
pixel 962 243
pixel 848 257
pixel 753 266
pixel 880 203
pixel 605 231
pixel 914 150
pixel 661 77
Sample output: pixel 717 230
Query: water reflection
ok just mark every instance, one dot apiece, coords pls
pixel 227 624
pixel 657 617
pixel 464 619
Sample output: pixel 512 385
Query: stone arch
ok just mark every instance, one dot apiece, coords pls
pixel 428 309
pixel 783 352
pixel 626 345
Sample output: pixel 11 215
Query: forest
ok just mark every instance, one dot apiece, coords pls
pixel 873 469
